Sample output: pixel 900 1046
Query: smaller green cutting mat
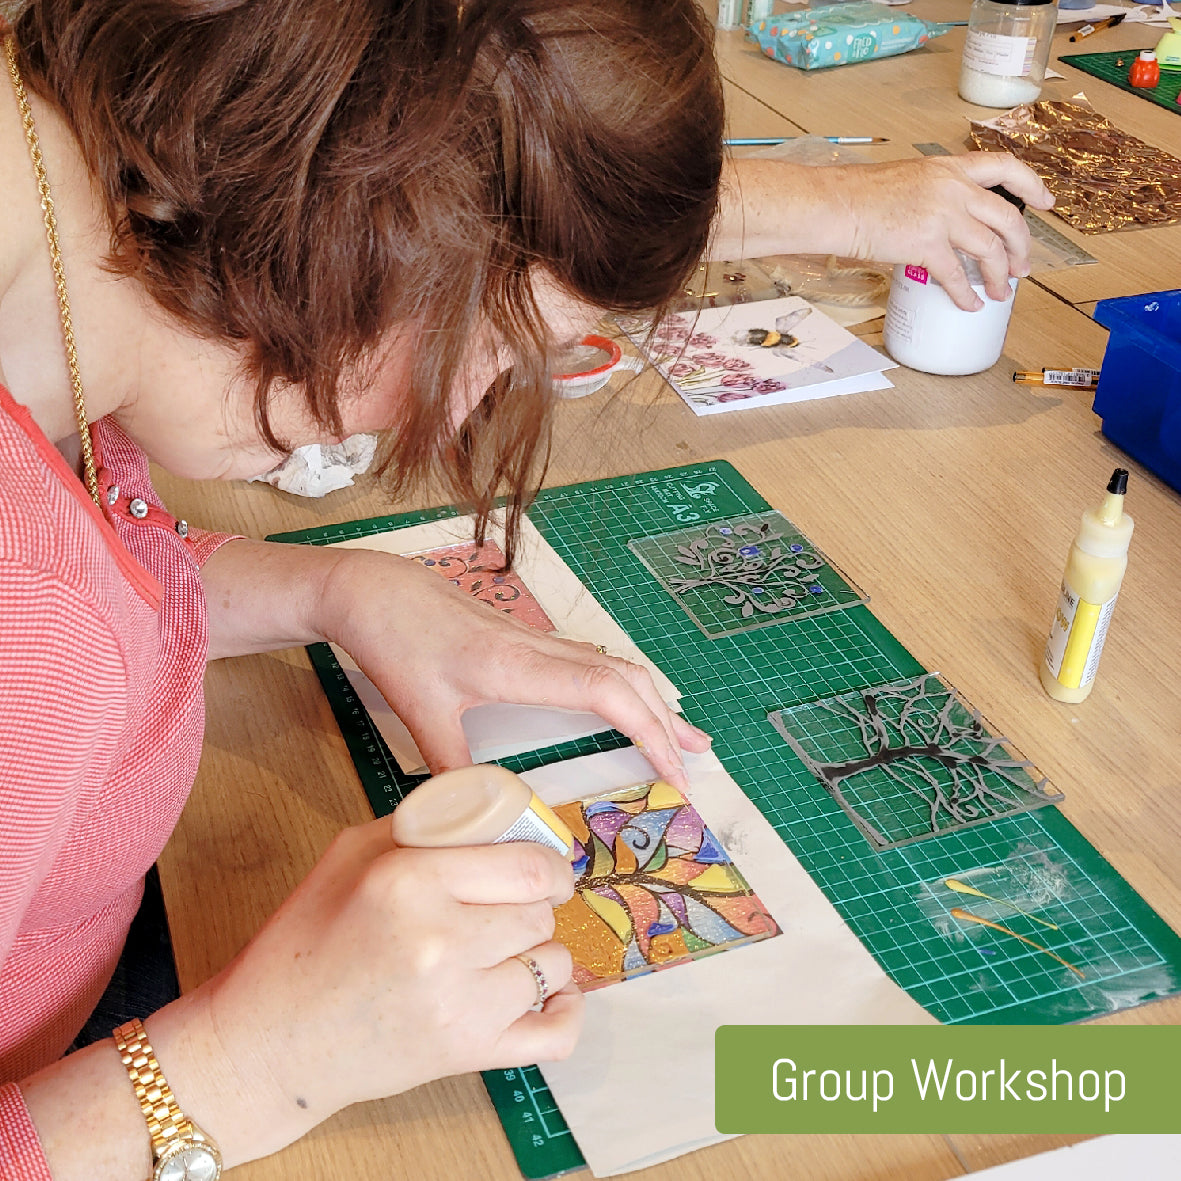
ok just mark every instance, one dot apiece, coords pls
pixel 1103 66
pixel 894 900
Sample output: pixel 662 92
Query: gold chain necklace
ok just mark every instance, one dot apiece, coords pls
pixel 59 272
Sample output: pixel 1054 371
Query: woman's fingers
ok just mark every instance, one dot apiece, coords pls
pixel 923 211
pixel 513 874
pixel 498 932
pixel 609 689
pixel 405 961
pixel 441 654
pixel 689 737
pixel 946 268
pixel 681 735
pixel 988 169
pixel 623 695
pixel 437 730
pixel 995 233
pixel 548 1035
pixel 529 980
pixel 541 670
pixel 998 238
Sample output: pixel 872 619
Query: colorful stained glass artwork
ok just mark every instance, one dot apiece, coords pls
pixel 745 572
pixel 910 760
pixel 653 887
pixel 479 570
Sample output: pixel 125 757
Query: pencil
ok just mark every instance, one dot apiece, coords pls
pixel 759 142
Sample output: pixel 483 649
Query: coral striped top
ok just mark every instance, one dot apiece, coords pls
pixel 103 640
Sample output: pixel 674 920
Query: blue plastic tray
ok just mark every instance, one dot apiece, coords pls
pixel 1139 391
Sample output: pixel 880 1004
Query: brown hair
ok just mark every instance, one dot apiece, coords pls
pixel 296 176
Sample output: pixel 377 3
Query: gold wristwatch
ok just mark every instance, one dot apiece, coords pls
pixel 180 1150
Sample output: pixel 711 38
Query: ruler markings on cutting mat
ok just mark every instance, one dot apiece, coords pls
pixel 729 684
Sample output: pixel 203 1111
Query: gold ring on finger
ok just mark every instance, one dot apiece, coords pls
pixel 538 979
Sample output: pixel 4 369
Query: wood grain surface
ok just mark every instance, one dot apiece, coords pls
pixel 951 500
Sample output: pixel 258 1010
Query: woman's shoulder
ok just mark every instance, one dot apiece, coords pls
pixel 46 528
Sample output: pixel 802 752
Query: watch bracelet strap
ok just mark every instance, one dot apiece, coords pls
pixel 166 1122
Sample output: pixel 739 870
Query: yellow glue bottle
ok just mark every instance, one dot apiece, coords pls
pixel 1090 586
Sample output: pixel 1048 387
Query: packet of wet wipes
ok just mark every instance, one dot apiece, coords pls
pixel 812 38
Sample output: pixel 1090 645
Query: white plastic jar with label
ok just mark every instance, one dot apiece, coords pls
pixel 924 329
pixel 1006 50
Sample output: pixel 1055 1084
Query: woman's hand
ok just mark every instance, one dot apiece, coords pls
pixel 923 211
pixel 903 211
pixel 387 968
pixel 434 652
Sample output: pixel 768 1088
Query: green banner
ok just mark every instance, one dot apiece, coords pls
pixel 947 1079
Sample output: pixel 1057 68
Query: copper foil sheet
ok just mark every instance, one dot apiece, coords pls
pixel 1101 177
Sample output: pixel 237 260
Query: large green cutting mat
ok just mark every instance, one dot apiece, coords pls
pixel 729 685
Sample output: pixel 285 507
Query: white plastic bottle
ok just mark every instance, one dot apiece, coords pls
pixel 925 330
pixel 1094 570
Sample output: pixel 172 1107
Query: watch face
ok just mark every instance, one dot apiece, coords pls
pixel 193 1164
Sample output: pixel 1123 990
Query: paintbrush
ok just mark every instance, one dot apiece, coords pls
pixel 759 142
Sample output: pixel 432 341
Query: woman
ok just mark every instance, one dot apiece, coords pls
pixel 277 222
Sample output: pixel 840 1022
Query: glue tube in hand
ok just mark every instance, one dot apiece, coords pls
pixel 480 805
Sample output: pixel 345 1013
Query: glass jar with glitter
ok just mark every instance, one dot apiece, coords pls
pixel 1006 50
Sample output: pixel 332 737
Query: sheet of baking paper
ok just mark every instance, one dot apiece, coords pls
pixel 1097 12
pixel 497 731
pixel 639 1088
pixel 1150 14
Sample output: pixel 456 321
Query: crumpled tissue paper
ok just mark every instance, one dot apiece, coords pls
pixel 320 468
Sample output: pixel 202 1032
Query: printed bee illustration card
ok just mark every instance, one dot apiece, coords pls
pixel 758 354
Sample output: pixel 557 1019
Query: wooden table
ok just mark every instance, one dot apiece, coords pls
pixel 951 500
pixel 912 99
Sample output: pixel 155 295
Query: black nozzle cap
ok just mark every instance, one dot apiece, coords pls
pixel 1118 482
pixel 1012 198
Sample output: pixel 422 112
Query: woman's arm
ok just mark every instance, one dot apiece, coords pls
pixel 914 211
pixel 431 650
pixel 385 969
